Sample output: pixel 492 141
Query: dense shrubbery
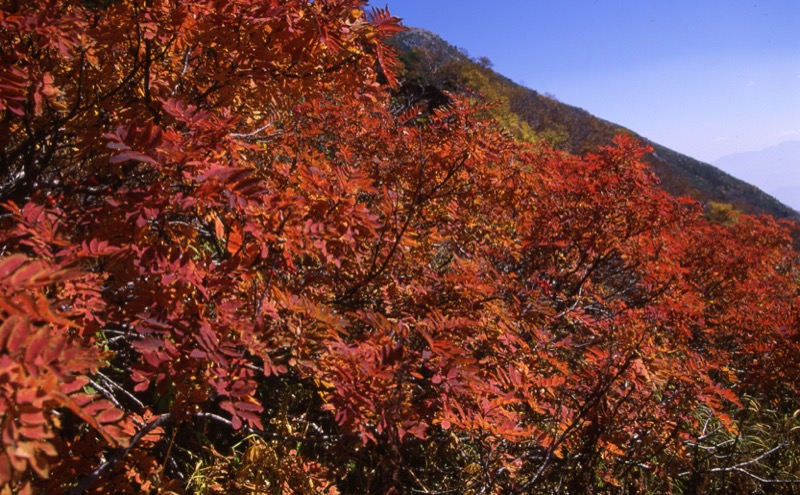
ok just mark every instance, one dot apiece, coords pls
pixel 229 266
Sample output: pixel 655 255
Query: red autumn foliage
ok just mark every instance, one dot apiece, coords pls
pixel 218 228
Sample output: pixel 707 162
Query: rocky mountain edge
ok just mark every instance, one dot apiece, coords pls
pixel 434 67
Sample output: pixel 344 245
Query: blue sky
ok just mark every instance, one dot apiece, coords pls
pixel 707 78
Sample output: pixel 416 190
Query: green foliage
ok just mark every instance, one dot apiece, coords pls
pixel 476 77
pixel 722 213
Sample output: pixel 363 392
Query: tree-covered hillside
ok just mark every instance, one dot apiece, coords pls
pixel 431 62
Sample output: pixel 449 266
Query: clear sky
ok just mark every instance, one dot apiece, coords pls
pixel 707 78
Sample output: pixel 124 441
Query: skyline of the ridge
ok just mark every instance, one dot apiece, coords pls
pixel 708 79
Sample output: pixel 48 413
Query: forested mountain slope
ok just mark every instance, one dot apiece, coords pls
pixel 434 64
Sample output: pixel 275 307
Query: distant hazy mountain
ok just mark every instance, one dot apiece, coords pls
pixel 434 67
pixel 776 170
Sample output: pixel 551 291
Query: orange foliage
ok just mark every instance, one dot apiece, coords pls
pixel 219 229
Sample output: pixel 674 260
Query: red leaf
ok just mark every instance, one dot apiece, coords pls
pixel 234 238
pixel 36 344
pixel 131 155
pixel 111 415
pixel 10 264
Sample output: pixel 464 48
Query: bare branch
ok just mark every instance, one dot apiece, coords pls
pixel 250 134
pixel 739 468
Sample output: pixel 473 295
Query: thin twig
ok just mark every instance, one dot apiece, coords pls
pixel 118 455
pixel 116 386
pixel 739 468
pixel 250 134
pixel 267 434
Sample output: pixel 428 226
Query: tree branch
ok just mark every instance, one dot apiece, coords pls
pixel 118 455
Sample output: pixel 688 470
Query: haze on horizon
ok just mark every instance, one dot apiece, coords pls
pixel 708 79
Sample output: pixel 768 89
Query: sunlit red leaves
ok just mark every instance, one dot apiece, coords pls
pixel 28 89
pixel 40 370
pixel 180 111
pixel 266 245
pixel 385 26
pixel 246 411
pixel 13 82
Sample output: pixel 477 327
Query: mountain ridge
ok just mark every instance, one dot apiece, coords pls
pixel 774 169
pixel 433 64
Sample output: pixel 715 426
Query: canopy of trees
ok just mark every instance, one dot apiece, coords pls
pixel 229 263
